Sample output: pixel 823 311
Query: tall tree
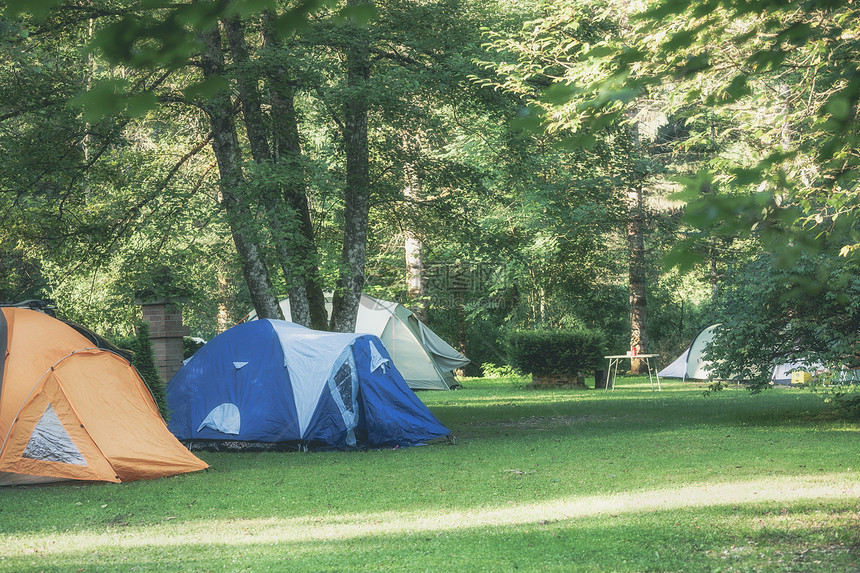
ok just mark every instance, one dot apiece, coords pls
pixel 555 63
pixel 781 85
pixel 288 234
pixel 636 270
pixel 225 144
pixel 357 204
pixel 306 287
pixel 776 92
pixel 416 274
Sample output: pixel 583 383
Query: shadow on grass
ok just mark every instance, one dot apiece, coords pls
pixel 624 411
pixel 632 407
pixel 514 446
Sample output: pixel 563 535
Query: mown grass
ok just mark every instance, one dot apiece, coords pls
pixel 566 480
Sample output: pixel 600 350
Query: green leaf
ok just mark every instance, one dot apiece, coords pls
pixel 530 122
pixel 297 18
pixel 689 193
pixel 683 256
pixel 702 9
pixel 661 10
pixel 247 8
pixel 103 99
pixel 625 96
pixel 839 107
pixel 37 8
pixel 797 34
pixel 767 60
pixel 788 256
pixel 600 51
pixel 138 104
pixel 682 39
pixel 747 176
pixel 559 94
pixel 527 119
pixel 207 88
pixel 692 65
pixel 154 4
pixel 361 15
pixel 630 55
pixel 117 40
pixel 694 187
pixel 580 140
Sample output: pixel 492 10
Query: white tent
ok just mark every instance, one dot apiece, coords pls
pixel 425 360
pixel 692 365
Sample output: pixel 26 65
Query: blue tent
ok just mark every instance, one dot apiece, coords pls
pixel 277 382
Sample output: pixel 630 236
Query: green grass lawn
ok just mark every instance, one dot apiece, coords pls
pixel 564 480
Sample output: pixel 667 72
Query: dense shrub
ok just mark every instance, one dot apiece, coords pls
pixel 555 351
pixel 190 346
pixel 144 362
pixel 138 351
pixel 491 370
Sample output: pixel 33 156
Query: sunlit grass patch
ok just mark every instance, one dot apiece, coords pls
pixel 630 480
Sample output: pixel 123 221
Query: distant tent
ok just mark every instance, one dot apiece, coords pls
pixel 692 365
pixel 275 382
pixel 783 373
pixel 425 360
pixel 71 410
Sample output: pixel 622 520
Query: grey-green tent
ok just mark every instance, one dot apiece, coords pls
pixel 425 360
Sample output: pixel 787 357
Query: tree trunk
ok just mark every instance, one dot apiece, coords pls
pixel 416 275
pixel 636 251
pixel 225 144
pixel 461 329
pixel 714 272
pixel 287 247
pixel 286 149
pixel 87 141
pixel 636 259
pixel 357 207
pixel 224 299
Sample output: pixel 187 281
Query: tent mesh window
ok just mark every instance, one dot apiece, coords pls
pixel 343 382
pixel 51 443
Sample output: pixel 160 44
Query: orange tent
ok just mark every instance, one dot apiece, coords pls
pixel 72 410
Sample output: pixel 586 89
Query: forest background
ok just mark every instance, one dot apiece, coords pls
pixel 642 169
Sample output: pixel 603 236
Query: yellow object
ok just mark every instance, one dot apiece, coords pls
pixel 69 410
pixel 801 377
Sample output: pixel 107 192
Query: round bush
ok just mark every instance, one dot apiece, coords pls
pixel 544 352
